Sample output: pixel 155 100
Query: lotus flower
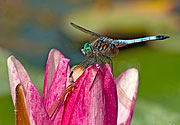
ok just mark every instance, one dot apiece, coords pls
pixel 108 102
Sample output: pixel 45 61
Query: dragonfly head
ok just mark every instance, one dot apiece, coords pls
pixel 86 49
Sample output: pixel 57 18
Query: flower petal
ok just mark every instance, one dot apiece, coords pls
pixel 76 109
pixel 57 87
pixel 17 74
pixel 111 95
pixel 127 86
pixel 36 109
pixel 53 60
pixel 21 116
pixel 92 107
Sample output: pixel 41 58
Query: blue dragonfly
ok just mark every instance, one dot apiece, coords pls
pixel 99 49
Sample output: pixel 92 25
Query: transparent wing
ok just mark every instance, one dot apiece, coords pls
pixel 92 38
pixel 85 30
pixel 89 60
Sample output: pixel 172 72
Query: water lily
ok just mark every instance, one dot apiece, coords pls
pixel 108 102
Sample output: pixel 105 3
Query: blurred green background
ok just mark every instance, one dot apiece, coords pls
pixel 30 28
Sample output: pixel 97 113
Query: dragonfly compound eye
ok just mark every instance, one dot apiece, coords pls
pixel 86 49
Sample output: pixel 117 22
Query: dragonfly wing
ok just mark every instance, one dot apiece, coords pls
pixel 90 60
pixel 92 38
pixel 85 30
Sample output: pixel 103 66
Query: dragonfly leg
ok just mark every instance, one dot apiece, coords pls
pixel 88 61
pixel 101 61
pixel 85 63
pixel 111 62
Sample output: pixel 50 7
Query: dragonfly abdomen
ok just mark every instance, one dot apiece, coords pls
pixel 121 42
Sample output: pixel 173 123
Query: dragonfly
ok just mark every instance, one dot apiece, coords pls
pixel 100 49
pixel 100 46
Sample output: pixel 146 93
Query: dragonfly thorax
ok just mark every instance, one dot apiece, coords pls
pixel 86 49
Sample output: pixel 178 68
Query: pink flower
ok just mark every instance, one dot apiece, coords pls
pixel 108 102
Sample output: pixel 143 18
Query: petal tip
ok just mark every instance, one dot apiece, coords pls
pixel 56 53
pixel 133 70
pixel 11 58
pixel 53 50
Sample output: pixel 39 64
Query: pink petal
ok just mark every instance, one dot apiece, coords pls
pixel 36 110
pixel 53 60
pixel 34 105
pixel 56 89
pixel 127 86
pixel 92 107
pixel 17 74
pixel 111 95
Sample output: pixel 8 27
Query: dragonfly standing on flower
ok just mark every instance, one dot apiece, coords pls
pixel 103 47
pixel 99 50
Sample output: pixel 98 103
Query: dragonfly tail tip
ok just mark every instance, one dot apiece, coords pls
pixel 162 37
